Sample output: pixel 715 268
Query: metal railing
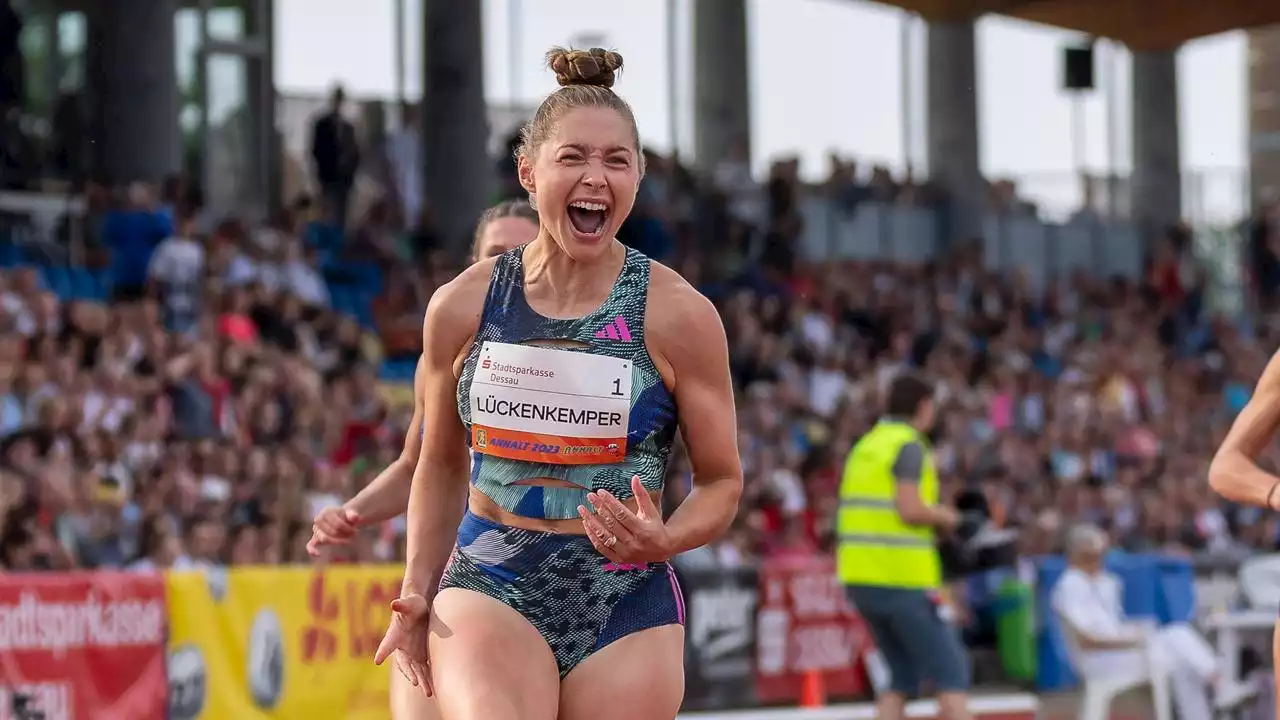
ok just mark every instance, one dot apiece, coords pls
pixel 1043 251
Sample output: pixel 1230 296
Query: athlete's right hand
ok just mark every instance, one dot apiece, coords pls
pixel 332 526
pixel 407 639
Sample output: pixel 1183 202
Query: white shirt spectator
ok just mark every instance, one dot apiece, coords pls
pixel 24 322
pixel 244 270
pixel 746 198
pixel 404 155
pixel 827 387
pixel 817 330
pixel 305 281
pixel 178 266
pixel 106 412
pixel 177 259
pixel 791 491
pixel 1090 606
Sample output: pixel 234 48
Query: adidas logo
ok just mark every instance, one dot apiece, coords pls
pixel 616 330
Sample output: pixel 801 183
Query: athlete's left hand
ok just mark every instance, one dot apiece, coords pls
pixel 623 536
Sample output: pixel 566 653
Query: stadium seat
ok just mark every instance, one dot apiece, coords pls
pixel 362 306
pixel 341 298
pixel 1100 691
pixel 58 281
pixel 84 286
pixel 10 255
pixel 397 370
pixel 368 277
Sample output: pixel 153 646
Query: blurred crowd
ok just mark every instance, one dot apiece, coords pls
pixel 201 410
pixel 199 415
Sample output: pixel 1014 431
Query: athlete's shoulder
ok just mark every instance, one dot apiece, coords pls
pixel 677 312
pixel 453 313
pixel 678 301
pixel 465 290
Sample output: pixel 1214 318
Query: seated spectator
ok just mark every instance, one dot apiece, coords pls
pixel 302 277
pixel 1087 600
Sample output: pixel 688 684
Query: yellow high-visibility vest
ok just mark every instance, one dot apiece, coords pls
pixel 874 546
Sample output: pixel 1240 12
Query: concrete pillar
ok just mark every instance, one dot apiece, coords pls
pixel 1157 177
pixel 1264 115
pixel 951 117
pixel 722 105
pixel 139 91
pixel 457 172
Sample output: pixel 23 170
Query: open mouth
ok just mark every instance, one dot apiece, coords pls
pixel 588 218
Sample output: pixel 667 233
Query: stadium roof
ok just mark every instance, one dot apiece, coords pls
pixel 1140 24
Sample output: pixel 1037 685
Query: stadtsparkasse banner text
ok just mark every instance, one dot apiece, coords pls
pixel 83 646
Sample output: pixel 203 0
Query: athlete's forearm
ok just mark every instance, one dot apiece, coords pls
pixel 437 501
pixel 387 496
pixel 1238 479
pixel 705 514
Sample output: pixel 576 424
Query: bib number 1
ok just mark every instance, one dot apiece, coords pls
pixel 548 405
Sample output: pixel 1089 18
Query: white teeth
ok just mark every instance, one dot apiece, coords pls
pixel 584 205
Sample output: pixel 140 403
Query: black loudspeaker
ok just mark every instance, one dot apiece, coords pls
pixel 1077 68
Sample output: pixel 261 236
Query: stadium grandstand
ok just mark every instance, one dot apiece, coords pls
pixel 209 328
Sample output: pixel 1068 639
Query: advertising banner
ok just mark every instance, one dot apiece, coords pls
pixel 720 637
pixel 280 643
pixel 806 625
pixel 82 646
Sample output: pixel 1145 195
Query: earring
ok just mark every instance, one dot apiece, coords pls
pixel 533 201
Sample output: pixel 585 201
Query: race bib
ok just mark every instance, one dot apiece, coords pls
pixel 548 405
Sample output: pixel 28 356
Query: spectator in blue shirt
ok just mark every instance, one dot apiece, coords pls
pixel 132 233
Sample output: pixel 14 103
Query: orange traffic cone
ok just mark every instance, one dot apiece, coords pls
pixel 813 693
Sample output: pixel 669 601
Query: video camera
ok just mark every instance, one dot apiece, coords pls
pixel 977 545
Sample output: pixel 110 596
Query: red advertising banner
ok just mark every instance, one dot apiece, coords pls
pixel 805 624
pixel 82 646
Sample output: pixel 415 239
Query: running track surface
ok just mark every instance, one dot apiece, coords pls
pixel 994 707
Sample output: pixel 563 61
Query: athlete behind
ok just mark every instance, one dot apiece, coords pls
pixel 1234 473
pixel 562 364
pixel 506 225
pixel 501 227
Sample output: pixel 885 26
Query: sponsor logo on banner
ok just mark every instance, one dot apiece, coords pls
pixel 805 624
pixel 280 643
pixel 719 637
pixel 82 646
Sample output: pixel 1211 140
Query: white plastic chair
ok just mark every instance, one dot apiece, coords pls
pixel 1099 692
pixel 1259 579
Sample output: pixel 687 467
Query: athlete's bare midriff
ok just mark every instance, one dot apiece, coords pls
pixel 481 505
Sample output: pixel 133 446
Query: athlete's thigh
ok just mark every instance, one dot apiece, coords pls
pixel 636 677
pixel 488 662
pixel 409 702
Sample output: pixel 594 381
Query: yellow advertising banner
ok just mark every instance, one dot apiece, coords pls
pixel 291 643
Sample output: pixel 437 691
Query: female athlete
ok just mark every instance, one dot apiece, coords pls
pixel 1234 473
pixel 562 364
pixel 504 226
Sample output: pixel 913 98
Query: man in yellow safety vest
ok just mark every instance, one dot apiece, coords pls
pixel 887 558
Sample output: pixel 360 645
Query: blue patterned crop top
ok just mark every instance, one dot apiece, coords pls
pixel 547 398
